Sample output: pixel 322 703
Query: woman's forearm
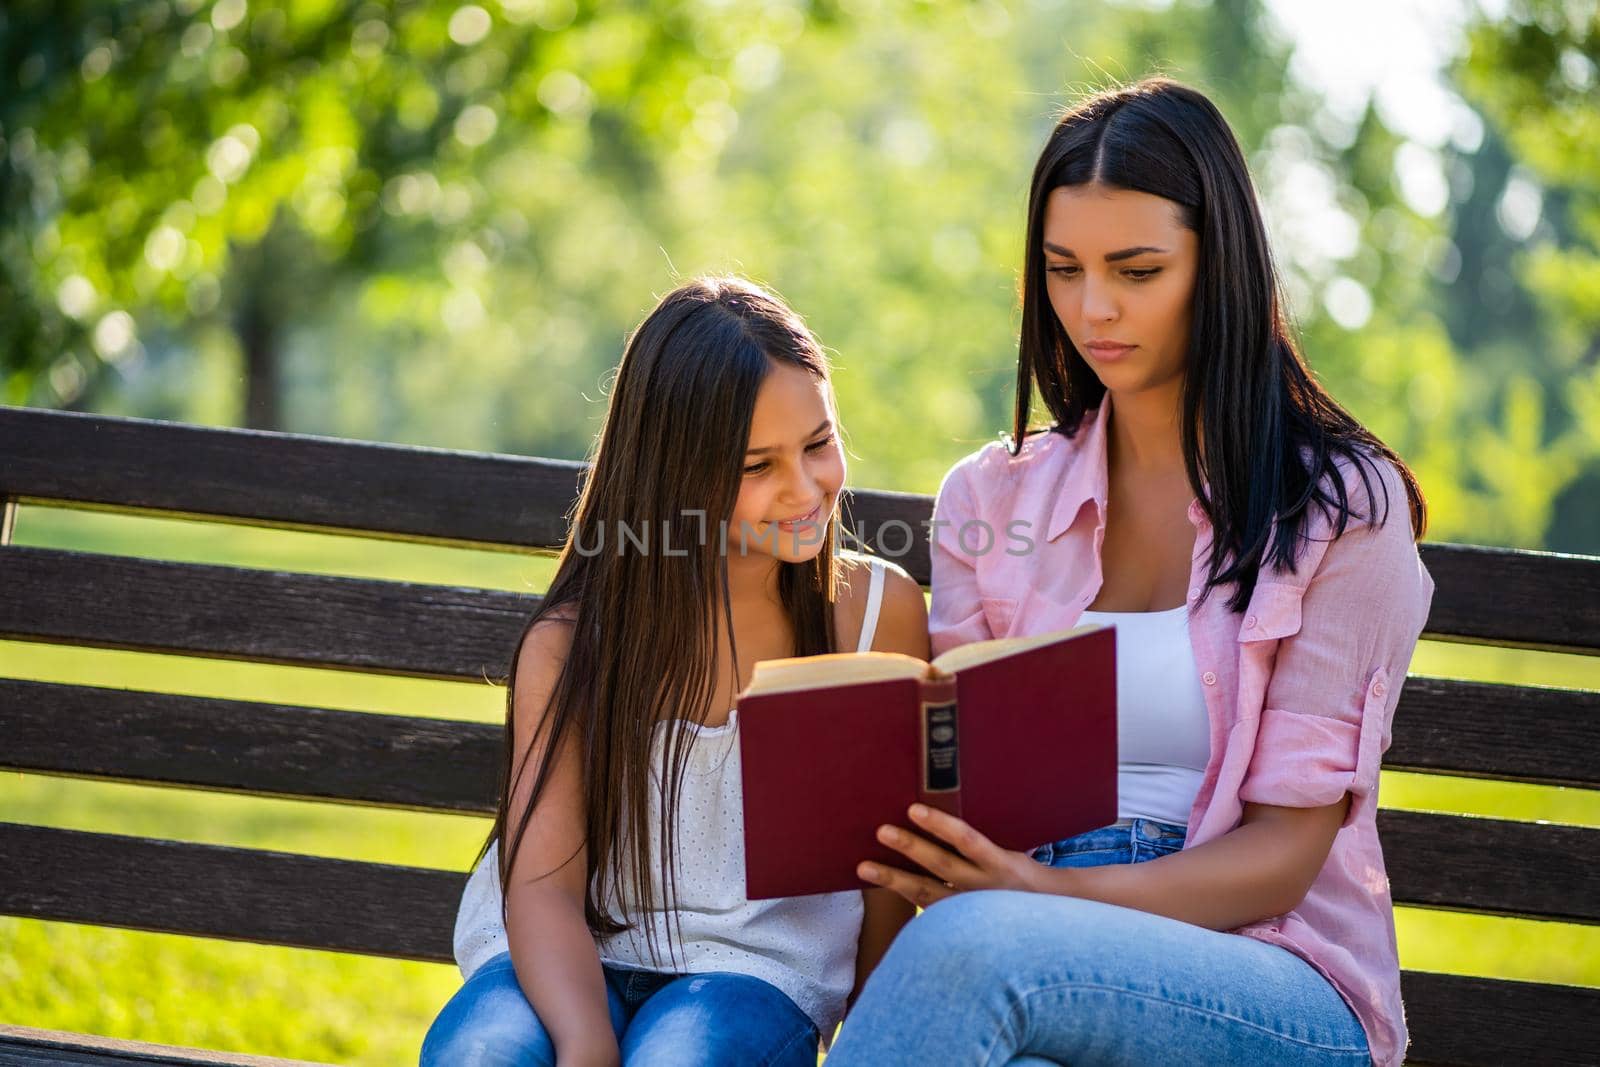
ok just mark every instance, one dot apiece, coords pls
pixel 1259 870
pixel 559 970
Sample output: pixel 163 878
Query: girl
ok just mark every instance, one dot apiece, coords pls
pixel 1255 546
pixel 607 919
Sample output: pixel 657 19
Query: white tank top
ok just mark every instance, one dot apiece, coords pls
pixel 805 946
pixel 1163 731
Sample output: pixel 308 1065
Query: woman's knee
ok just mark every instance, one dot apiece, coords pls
pixel 971 923
pixel 976 934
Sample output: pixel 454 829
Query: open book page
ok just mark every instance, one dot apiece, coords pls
pixel 826 672
pixel 856 668
pixel 959 659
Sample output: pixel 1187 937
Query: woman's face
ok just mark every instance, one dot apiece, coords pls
pixel 793 469
pixel 1120 270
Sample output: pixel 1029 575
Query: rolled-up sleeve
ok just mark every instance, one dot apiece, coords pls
pixel 1330 699
pixel 956 615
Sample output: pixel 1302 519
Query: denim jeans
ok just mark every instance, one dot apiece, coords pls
pixel 1014 979
pixel 698 1020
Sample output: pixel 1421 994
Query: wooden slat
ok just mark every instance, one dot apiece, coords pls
pixel 1519 733
pixel 1434 861
pixel 287 479
pixel 1442 727
pixel 343 622
pixel 242 746
pixel 1483 1022
pixel 1540 600
pixel 891 525
pixel 298 481
pixel 22 1046
pixel 276 898
pixel 1499 866
pixel 110 601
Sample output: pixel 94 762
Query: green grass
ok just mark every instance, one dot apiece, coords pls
pixel 350 1009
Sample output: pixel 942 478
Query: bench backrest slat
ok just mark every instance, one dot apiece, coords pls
pixel 1436 861
pixel 272 617
pixel 286 479
pixel 275 898
pixel 1543 736
pixel 400 761
pixel 1441 727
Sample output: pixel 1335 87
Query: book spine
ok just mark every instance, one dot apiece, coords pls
pixel 940 784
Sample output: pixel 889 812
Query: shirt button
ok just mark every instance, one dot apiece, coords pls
pixel 1209 678
pixel 1194 594
pixel 1250 623
pixel 1378 689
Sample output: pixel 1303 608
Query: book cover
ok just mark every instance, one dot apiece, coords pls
pixel 1018 737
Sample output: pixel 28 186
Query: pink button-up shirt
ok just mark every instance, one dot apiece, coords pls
pixel 1300 689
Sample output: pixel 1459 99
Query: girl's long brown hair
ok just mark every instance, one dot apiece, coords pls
pixel 667 466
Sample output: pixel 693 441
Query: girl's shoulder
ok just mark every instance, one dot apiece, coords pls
pixel 901 596
pixel 545 646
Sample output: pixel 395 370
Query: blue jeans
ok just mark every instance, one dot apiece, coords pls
pixel 698 1020
pixel 1009 978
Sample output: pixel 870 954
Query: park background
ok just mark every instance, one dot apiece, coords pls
pixel 434 223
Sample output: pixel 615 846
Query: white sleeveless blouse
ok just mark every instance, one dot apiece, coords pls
pixel 805 946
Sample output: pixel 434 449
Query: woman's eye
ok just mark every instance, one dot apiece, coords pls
pixel 1065 272
pixel 1140 274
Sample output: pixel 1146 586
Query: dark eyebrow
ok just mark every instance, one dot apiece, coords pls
pixel 826 425
pixel 1111 257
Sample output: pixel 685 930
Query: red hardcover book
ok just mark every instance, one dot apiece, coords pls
pixel 1017 736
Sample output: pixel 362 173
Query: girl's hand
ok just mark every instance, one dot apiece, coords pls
pixel 976 863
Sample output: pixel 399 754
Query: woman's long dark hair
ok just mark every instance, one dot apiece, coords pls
pixel 668 460
pixel 1262 440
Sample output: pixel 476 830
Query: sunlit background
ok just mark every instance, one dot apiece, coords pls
pixel 434 223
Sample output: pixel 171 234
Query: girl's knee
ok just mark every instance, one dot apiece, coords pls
pixel 488 1023
pixel 481 1042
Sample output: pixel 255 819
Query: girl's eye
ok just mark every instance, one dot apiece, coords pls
pixel 815 446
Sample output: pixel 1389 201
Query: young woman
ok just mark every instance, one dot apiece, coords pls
pixel 1255 547
pixel 607 920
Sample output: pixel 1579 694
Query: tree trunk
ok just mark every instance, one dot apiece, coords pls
pixel 259 339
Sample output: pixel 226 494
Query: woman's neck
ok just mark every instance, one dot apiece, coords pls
pixel 1145 433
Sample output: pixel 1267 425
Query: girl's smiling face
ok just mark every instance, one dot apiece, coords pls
pixel 1120 270
pixel 794 468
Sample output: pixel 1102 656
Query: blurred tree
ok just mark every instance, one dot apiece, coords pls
pixel 1534 73
pixel 434 223
pixel 177 165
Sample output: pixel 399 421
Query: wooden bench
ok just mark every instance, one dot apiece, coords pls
pixel 1489 596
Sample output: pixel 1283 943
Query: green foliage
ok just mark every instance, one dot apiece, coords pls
pixel 435 222
pixel 1534 74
